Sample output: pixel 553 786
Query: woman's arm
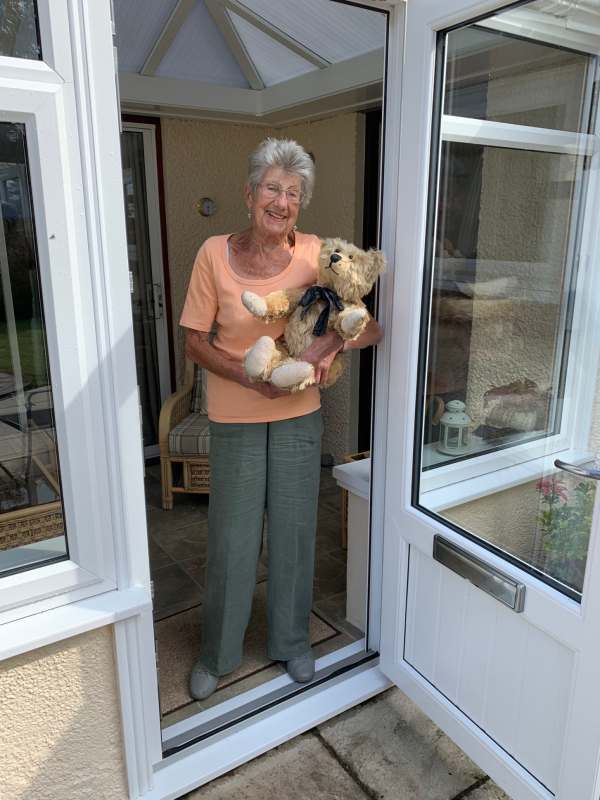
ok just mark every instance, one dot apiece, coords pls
pixel 199 349
pixel 325 348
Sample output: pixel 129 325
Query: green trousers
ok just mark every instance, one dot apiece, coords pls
pixel 253 466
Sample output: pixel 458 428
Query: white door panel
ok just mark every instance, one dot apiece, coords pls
pixel 496 308
pixel 509 678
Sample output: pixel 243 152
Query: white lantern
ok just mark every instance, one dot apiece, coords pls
pixel 455 431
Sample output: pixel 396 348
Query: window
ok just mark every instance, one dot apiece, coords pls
pixel 57 469
pixel 32 528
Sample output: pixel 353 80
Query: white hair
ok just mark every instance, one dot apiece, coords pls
pixel 289 156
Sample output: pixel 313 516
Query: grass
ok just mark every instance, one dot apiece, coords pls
pixel 32 352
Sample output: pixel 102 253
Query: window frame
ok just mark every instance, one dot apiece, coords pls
pixel 46 97
pixel 469 479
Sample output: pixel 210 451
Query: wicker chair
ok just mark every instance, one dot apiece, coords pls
pixel 183 439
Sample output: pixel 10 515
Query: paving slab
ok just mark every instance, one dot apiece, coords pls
pixel 489 791
pixel 298 770
pixel 392 748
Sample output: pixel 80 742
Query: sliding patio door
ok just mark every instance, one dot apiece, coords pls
pixel 492 563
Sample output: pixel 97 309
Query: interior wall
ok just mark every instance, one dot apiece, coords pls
pixel 60 736
pixel 209 159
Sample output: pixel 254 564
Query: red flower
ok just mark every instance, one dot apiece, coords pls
pixel 550 486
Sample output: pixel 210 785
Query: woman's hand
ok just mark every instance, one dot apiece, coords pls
pixel 266 389
pixel 322 352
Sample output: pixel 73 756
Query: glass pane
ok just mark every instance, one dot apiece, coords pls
pixel 19 32
pixel 506 283
pixel 494 76
pixel 143 296
pixel 31 514
pixel 501 267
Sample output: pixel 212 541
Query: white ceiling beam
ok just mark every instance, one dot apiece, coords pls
pixel 235 44
pixel 360 77
pixel 175 22
pixel 354 73
pixel 275 33
pixel 151 91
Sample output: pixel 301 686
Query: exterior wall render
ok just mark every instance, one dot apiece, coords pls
pixel 210 159
pixel 61 736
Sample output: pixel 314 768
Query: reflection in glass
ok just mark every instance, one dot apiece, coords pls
pixel 505 276
pixel 19 33
pixel 31 515
pixel 545 523
pixel 501 268
pixel 493 76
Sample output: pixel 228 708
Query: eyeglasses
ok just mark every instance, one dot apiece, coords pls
pixel 273 190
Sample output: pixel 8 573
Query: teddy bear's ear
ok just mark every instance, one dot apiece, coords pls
pixel 377 264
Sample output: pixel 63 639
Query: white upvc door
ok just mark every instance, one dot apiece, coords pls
pixel 491 585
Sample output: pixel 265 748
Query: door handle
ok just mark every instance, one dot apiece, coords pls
pixel 582 472
pixel 487 578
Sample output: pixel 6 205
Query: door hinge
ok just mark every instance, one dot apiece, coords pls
pixel 130 281
pixel 152 591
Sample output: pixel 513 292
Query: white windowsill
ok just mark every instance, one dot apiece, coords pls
pixel 39 630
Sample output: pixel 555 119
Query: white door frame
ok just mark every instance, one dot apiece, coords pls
pixel 405 526
pixel 149 775
pixel 161 324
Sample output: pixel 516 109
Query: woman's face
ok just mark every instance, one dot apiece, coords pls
pixel 274 216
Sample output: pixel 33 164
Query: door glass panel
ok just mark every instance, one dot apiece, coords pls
pixel 144 298
pixel 494 76
pixel 509 296
pixel 19 30
pixel 32 527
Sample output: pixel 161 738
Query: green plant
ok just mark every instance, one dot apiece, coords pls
pixel 565 519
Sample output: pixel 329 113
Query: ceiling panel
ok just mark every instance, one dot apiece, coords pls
pixel 274 62
pixel 199 52
pixel 334 31
pixel 138 28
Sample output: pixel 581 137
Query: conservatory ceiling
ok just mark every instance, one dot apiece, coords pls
pixel 256 60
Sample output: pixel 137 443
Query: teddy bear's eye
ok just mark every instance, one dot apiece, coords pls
pixel 350 257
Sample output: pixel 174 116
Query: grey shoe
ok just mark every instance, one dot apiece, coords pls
pixel 302 668
pixel 202 682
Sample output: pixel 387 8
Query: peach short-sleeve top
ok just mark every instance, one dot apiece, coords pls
pixel 214 295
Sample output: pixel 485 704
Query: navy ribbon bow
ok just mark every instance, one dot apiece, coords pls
pixel 331 300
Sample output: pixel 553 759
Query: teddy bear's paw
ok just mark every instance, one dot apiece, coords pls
pixel 259 359
pixel 255 304
pixel 354 321
pixel 295 375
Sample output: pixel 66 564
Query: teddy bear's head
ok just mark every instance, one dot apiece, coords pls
pixel 348 270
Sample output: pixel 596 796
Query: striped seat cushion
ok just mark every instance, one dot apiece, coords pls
pixel 190 437
pixel 199 392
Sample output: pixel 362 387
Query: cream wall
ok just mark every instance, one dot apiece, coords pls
pixel 210 159
pixel 60 730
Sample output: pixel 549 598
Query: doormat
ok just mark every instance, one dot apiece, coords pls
pixel 178 645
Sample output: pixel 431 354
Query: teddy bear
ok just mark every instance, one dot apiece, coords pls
pixel 346 274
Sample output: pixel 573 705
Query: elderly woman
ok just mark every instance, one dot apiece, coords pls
pixel 264 443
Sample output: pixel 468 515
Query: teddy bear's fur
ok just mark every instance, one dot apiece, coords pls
pixel 344 268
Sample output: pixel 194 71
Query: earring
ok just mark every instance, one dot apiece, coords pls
pixel 249 215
